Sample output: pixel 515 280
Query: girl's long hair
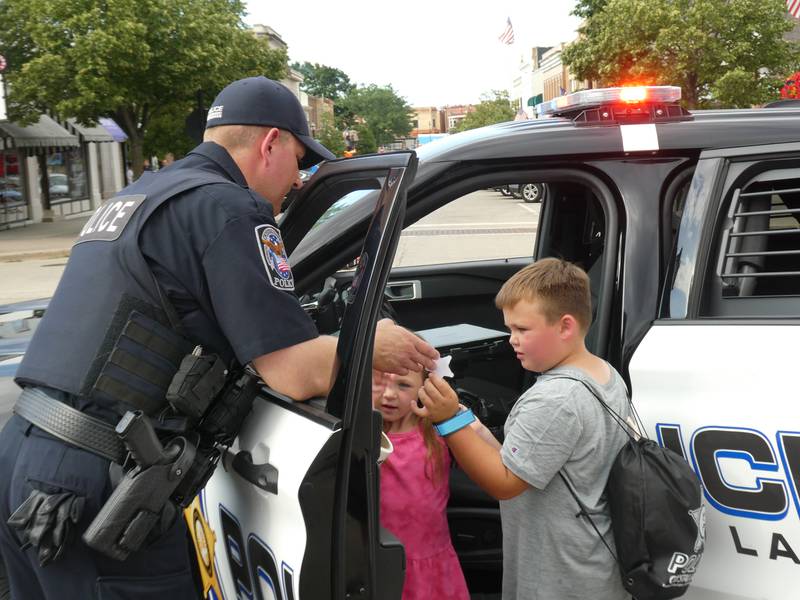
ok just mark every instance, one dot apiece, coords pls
pixel 434 457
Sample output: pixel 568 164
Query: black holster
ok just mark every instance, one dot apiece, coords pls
pixel 136 505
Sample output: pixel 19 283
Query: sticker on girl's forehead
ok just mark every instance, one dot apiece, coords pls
pixel 442 368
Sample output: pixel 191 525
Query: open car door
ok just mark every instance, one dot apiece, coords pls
pixel 292 510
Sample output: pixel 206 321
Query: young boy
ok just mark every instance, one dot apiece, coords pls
pixel 557 425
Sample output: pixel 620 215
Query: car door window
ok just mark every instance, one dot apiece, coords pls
pixel 754 268
pixel 486 224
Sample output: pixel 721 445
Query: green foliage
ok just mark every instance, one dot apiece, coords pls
pixel 494 108
pixel 720 52
pixel 366 140
pixel 588 8
pixel 330 137
pixel 165 132
pixel 379 109
pixel 133 61
pixel 323 81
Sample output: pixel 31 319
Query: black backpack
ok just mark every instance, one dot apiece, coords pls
pixel 657 516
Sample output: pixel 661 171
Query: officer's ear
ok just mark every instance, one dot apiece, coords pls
pixel 268 143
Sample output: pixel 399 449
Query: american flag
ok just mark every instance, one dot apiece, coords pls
pixel 283 265
pixel 507 37
pixel 794 8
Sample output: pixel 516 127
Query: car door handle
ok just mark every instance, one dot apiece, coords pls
pixel 264 476
pixel 403 290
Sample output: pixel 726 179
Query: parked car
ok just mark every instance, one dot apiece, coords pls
pixel 530 192
pixel 59 185
pixel 688 224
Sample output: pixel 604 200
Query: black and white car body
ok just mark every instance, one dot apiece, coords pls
pixel 689 227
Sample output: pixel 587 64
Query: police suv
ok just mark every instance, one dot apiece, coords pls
pixel 688 224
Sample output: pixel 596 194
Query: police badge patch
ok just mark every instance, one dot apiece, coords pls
pixel 273 254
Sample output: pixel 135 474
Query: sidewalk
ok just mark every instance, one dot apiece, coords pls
pixel 40 240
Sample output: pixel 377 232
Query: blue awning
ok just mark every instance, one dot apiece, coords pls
pixel 115 130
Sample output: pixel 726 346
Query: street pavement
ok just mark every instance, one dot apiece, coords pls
pixel 33 257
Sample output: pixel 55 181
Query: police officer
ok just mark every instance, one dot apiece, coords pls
pixel 190 256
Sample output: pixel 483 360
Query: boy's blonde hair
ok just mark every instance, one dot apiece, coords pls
pixel 560 288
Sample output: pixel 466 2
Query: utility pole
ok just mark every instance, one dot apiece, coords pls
pixel 2 89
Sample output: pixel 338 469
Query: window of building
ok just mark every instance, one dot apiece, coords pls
pixel 66 173
pixel 13 199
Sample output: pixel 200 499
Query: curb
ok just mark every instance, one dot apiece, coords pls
pixel 33 255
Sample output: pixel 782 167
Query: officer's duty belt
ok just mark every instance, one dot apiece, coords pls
pixel 70 425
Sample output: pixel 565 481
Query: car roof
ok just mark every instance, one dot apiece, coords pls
pixel 553 137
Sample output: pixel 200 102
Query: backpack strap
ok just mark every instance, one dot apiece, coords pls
pixel 624 425
pixel 584 512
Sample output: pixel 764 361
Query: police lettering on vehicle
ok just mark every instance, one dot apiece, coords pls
pixel 273 254
pixel 767 498
pixel 108 221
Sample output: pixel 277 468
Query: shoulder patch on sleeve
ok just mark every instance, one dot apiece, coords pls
pixel 273 255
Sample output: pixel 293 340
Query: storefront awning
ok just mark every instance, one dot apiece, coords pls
pixel 113 129
pixel 89 134
pixel 44 134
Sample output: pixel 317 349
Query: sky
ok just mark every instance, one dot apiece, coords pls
pixel 434 53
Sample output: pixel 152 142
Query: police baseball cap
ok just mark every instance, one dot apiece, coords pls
pixel 267 103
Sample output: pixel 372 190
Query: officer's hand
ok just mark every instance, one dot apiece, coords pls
pixel 399 351
pixel 439 400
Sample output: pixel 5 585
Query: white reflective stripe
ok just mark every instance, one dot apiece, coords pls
pixel 636 138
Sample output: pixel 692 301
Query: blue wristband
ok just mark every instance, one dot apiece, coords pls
pixel 455 423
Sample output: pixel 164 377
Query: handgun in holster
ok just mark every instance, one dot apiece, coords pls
pixel 136 504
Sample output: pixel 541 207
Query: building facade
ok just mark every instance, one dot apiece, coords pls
pixel 427 120
pixel 50 170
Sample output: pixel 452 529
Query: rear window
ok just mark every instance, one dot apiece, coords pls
pixel 756 271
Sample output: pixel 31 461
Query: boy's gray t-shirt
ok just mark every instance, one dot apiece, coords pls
pixel 548 552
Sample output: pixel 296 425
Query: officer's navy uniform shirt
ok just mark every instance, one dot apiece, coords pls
pixel 204 250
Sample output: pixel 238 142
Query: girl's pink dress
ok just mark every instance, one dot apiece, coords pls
pixel 413 509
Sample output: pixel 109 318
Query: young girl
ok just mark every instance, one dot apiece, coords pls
pixel 415 487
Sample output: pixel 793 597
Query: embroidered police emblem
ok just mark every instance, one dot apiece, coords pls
pixel 273 254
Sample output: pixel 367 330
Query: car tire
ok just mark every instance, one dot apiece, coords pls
pixel 532 192
pixel 505 190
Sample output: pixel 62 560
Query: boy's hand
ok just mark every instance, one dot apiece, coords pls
pixel 439 400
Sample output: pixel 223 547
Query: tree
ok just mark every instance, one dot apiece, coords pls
pixel 323 81
pixel 133 61
pixel 165 132
pixel 494 108
pixel 588 8
pixel 366 140
pixel 720 52
pixel 380 109
pixel 330 137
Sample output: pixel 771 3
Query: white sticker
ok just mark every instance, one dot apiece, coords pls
pixel 443 367
pixel 637 138
pixel 273 254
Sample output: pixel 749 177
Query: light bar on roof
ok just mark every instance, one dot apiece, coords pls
pixel 617 95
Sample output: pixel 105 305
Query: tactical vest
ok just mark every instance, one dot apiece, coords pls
pixel 106 334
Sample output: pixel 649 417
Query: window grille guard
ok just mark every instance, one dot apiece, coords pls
pixel 733 236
